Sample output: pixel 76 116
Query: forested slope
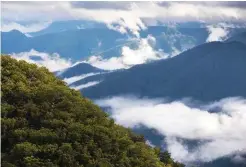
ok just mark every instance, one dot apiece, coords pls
pixel 45 123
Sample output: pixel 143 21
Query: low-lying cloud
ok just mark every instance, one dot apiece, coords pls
pixel 80 77
pixel 88 84
pixel 54 62
pixel 130 57
pixel 220 134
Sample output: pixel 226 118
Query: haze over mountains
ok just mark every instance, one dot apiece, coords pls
pixel 79 44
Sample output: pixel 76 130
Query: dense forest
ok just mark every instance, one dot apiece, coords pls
pixel 45 123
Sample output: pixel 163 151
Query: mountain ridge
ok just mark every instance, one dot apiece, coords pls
pixel 183 76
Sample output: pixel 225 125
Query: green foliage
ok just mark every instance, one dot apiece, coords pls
pixel 45 123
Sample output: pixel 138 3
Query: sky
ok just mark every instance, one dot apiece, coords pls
pixel 122 16
pixel 51 11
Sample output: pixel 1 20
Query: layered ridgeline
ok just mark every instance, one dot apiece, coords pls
pixel 79 74
pixel 78 40
pixel 76 45
pixel 70 41
pixel 208 72
pixel 45 123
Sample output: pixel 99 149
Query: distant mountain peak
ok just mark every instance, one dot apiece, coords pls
pixel 79 69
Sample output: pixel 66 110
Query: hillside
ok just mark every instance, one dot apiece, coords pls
pixel 79 69
pixel 45 123
pixel 240 37
pixel 9 41
pixel 74 44
pixel 207 72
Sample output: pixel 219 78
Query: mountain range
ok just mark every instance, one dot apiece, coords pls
pixel 198 73
pixel 70 40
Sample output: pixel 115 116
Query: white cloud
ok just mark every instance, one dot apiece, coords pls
pixel 220 31
pixel 118 28
pixel 220 134
pixel 51 61
pixel 217 32
pixel 134 25
pixel 150 143
pixel 112 63
pixel 24 28
pixel 28 35
pixel 80 77
pixel 130 57
pixel 128 18
pixel 89 84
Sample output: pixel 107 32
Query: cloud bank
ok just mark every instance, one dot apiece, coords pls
pixel 124 17
pixel 51 61
pixel 220 134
